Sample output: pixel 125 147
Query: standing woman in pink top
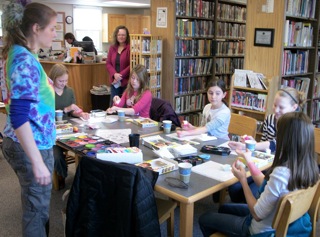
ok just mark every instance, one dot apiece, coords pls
pixel 137 97
pixel 118 61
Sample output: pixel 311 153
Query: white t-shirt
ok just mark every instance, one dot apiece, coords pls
pixel 216 121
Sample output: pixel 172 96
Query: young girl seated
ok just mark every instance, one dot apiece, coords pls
pixel 294 167
pixel 215 116
pixel 137 97
pixel 64 95
pixel 64 100
pixel 286 100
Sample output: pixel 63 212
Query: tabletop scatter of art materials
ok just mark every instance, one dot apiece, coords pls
pixel 145 122
pixel 160 165
pixel 81 141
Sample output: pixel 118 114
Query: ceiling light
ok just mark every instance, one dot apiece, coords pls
pixel 129 4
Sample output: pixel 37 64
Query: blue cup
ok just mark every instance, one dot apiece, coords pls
pixel 185 168
pixel 251 145
pixel 121 115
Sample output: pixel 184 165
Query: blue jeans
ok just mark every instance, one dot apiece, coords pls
pixel 35 198
pixel 232 219
pixel 116 91
pixel 236 192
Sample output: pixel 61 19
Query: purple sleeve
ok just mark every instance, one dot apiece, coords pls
pixel 19 110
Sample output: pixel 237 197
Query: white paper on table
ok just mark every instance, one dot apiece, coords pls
pixel 116 135
pixel 213 170
pixel 201 137
pixel 92 120
pixel 233 152
pixel 164 153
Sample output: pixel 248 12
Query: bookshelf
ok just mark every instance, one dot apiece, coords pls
pixel 253 102
pixel 147 50
pixel 195 32
pixel 295 52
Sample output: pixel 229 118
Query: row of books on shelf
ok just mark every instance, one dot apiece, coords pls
pixel 195 8
pixel 189 85
pixel 249 100
pixel 298 34
pixel 194 28
pixel 231 30
pixel 155 81
pixel 316 111
pixel 193 118
pixel 318 60
pixel 152 64
pixel 145 45
pixel 295 62
pixel 228 65
pixel 300 83
pixel 189 103
pixel 301 8
pixel 231 12
pixel 230 48
pixel 190 67
pixel 194 47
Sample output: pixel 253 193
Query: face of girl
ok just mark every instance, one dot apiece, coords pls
pixel 282 105
pixel 61 82
pixel 134 80
pixel 215 96
pixel 48 34
pixel 122 36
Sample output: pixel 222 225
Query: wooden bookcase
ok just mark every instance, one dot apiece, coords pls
pixel 270 60
pixel 246 107
pixel 194 33
pixel 147 50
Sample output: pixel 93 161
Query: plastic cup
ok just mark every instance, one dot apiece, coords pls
pixel 251 145
pixel 121 115
pixel 167 126
pixel 185 171
pixel 134 139
pixel 59 115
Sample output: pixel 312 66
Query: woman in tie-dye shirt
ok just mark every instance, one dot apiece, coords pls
pixel 28 94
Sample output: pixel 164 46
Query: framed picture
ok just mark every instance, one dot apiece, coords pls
pixel 263 37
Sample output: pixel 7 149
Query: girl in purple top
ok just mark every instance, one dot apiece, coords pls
pixel 137 97
pixel 118 61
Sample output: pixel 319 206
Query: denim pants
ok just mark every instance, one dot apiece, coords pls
pixel 232 219
pixel 116 91
pixel 35 198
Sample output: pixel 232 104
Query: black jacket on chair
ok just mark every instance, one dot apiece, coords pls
pixel 111 199
pixel 162 110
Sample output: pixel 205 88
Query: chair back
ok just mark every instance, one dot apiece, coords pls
pixel 162 110
pixel 241 125
pixel 294 205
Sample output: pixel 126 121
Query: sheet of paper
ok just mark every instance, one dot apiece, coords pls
pixel 115 135
pixel 200 137
pixel 233 152
pixel 213 170
pixel 92 120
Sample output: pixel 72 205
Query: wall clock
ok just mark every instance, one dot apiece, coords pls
pixel 69 19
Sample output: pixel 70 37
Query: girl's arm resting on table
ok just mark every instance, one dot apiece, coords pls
pixel 195 131
pixel 40 170
pixel 127 111
pixel 262 146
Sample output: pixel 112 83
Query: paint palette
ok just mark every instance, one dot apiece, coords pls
pixel 81 141
pixel 92 150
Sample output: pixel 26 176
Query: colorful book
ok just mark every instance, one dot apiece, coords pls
pixel 145 122
pixel 160 165
pixel 157 142
pixel 64 128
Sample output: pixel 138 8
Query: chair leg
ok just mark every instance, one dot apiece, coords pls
pixel 223 194
pixel 55 181
pixel 170 224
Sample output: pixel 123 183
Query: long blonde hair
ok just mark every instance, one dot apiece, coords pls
pixel 142 75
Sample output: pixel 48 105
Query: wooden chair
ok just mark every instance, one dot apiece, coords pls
pixel 241 125
pixel 70 159
pixel 317 142
pixel 291 207
pixel 166 213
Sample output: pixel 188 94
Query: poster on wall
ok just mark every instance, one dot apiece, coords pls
pixel 162 14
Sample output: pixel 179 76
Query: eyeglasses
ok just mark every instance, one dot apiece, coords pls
pixel 176 183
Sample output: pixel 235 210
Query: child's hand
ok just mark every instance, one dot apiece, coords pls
pixel 85 116
pixel 246 154
pixel 116 100
pixel 112 110
pixel 245 138
pixel 187 126
pixel 236 145
pixel 239 172
pixel 181 133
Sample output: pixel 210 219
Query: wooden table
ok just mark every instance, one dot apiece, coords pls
pixel 81 78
